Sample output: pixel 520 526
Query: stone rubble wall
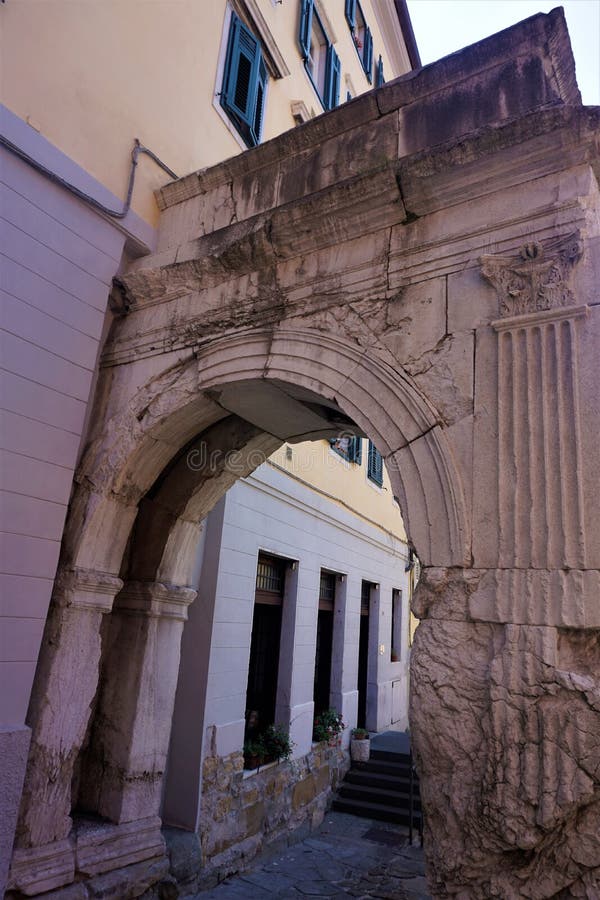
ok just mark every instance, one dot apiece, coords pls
pixel 244 815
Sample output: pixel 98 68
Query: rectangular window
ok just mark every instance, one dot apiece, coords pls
pixel 396 635
pixel 348 447
pixel 365 598
pixel 270 579
pixel 327 590
pixel 361 35
pixel 244 82
pixel 375 465
pixel 320 59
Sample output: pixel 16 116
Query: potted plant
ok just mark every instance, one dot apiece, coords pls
pixel 254 753
pixel 328 726
pixel 277 743
pixel 360 745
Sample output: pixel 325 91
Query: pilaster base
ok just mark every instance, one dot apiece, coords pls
pixel 39 869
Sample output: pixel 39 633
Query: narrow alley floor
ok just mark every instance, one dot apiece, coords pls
pixel 346 857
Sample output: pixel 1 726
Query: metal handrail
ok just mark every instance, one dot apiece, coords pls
pixel 411 803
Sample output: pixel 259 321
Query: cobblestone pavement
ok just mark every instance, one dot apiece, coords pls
pixel 346 857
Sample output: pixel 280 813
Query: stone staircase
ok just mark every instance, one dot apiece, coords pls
pixel 380 788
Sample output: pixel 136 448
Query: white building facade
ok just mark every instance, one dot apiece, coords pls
pixel 356 637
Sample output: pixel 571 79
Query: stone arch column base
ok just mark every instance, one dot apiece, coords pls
pixel 95 852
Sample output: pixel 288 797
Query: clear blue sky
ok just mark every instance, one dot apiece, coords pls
pixel 443 26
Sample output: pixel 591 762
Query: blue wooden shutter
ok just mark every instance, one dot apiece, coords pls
pixel 380 79
pixel 241 72
pixel 351 13
pixel 306 14
pixel 368 54
pixel 332 79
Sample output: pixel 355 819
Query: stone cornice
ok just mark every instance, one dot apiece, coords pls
pixel 482 164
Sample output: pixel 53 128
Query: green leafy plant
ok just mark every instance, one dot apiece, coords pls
pixel 254 753
pixel 327 725
pixel 277 743
pixel 360 734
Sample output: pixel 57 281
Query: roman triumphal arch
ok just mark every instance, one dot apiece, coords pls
pixel 422 266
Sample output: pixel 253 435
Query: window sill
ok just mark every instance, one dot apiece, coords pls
pixel 248 773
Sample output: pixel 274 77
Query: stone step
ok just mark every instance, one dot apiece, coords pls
pixel 377 811
pixel 390 756
pixel 383 781
pixel 398 799
pixel 384 767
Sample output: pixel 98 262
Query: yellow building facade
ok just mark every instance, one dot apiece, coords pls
pixel 153 70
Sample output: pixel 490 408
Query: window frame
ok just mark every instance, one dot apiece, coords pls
pixel 366 56
pixel 353 453
pixel 331 87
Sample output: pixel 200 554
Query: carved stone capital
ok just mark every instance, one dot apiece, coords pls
pixel 86 589
pixel 156 600
pixel 537 278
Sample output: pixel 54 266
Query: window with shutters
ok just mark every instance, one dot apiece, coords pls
pixel 244 82
pixel 320 59
pixel 349 448
pixel 361 35
pixel 375 465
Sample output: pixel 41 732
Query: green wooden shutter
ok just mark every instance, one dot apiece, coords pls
pixel 351 13
pixel 375 465
pixel 368 54
pixel 332 79
pixel 260 100
pixel 306 14
pixel 355 450
pixel 380 79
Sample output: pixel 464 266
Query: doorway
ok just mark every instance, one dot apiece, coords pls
pixel 363 652
pixel 324 650
pixel 261 695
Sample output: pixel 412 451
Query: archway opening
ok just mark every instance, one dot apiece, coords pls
pixel 177 544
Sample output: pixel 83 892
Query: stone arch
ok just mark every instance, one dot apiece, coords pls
pixel 156 422
pixel 124 460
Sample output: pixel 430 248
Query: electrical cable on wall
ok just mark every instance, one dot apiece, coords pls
pixel 115 214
